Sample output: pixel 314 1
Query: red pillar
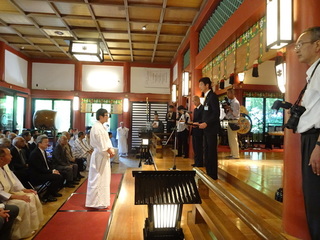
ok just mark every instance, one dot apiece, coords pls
pixel 2 58
pixel 294 220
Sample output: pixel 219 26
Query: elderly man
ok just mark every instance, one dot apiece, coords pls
pixel 18 163
pixel 308 51
pixel 8 214
pixel 41 170
pixel 12 192
pixel 81 152
pixel 62 163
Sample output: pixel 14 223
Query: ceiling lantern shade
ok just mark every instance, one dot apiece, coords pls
pixel 279 23
pixel 88 51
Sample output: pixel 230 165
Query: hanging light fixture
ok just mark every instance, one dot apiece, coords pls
pixel 174 93
pixel 86 51
pixel 241 77
pixel 279 23
pixel 185 84
pixel 126 104
pixel 75 103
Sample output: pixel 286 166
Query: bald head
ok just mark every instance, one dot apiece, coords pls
pixel 196 100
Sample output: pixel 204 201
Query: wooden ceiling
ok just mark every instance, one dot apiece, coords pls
pixel 44 28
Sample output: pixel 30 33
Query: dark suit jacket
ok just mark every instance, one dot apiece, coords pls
pixel 59 156
pixel 171 121
pixel 211 113
pixel 37 164
pixel 17 163
pixel 197 117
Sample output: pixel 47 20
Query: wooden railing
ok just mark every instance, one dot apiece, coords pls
pixel 212 220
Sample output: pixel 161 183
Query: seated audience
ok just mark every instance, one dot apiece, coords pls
pixel 86 142
pixel 12 192
pixel 8 214
pixel 11 136
pixel 41 170
pixel 27 137
pixel 32 143
pixel 62 163
pixel 18 162
pixel 81 152
pixel 115 158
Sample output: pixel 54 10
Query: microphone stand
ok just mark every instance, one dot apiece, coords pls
pixel 174 131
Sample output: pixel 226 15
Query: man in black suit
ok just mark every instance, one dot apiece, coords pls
pixel 197 133
pixel 27 137
pixel 171 118
pixel 18 164
pixel 210 125
pixel 41 172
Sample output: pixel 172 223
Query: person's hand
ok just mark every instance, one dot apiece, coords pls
pixel 54 171
pixel 20 197
pixel 4 214
pixel 315 160
pixel 29 191
pixel 111 152
pixel 203 125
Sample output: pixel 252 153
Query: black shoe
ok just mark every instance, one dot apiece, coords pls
pixel 193 165
pixel 49 199
pixel 75 182
pixel 178 155
pixel 56 195
pixel 80 176
pixel 186 157
pixel 70 185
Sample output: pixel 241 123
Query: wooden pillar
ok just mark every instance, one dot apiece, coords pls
pixel 294 220
pixel 2 58
pixel 78 121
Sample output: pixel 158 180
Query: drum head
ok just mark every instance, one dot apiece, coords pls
pixel 245 124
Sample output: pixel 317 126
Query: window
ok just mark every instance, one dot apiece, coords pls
pixel 12 112
pixel 91 117
pixel 262 115
pixel 63 109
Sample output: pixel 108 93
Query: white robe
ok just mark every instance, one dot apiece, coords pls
pixel 98 190
pixel 122 136
pixel 30 214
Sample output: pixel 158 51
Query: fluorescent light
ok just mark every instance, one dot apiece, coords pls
pixel 185 84
pixel 241 77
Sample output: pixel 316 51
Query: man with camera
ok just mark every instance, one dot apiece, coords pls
pixel 232 114
pixel 307 49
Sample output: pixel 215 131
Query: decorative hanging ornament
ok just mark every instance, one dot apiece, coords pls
pixel 255 72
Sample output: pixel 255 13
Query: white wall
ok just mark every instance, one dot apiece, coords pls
pixel 16 69
pixel 102 78
pixel 53 76
pixel 150 80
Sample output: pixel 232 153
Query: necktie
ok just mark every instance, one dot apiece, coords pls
pixel 23 159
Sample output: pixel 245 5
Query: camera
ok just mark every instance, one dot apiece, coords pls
pixel 225 102
pixel 295 112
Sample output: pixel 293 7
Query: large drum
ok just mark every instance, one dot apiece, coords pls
pixel 45 119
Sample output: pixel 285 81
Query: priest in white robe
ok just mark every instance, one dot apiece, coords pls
pixel 122 137
pixel 98 190
pixel 13 192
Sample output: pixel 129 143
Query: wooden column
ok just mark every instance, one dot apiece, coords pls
pixel 294 220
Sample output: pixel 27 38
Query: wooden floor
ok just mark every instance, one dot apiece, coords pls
pixel 261 170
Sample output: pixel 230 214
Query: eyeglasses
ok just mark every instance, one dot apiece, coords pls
pixel 300 44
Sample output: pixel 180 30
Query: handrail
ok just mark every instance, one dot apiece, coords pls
pixel 252 220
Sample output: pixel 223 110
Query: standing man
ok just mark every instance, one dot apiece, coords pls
pixel 171 118
pixel 233 115
pixel 197 133
pixel 210 125
pixel 98 190
pixel 183 132
pixel 122 137
pixel 308 51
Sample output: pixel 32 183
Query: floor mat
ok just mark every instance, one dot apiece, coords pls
pixel 75 226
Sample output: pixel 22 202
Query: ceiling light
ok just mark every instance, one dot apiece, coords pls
pixel 144 28
pixel 86 51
